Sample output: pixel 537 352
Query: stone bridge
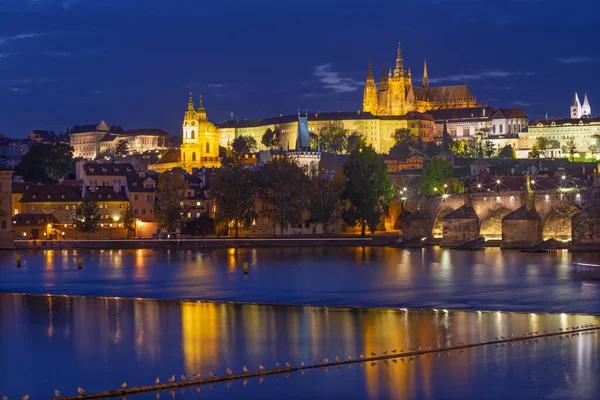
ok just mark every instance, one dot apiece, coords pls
pixel 459 217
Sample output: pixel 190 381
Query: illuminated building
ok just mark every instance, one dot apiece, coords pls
pixel 376 130
pixel 584 131
pixel 200 147
pixel 397 95
pixel 6 235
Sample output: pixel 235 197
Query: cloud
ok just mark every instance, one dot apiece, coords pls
pixel 573 60
pixel 495 73
pixel 334 81
pixel 522 103
pixel 314 95
pixel 57 53
pixel 215 85
pixel 21 36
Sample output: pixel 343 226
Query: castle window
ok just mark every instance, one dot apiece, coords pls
pixel 500 128
pixel 194 156
pixel 493 128
pixel 193 135
pixel 207 147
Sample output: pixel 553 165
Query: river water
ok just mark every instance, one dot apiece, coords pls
pixel 60 342
pixel 95 334
pixel 361 276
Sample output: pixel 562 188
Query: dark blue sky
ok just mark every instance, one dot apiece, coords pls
pixel 66 62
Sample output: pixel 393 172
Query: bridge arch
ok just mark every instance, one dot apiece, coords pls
pixel 491 225
pixel 557 223
pixel 437 229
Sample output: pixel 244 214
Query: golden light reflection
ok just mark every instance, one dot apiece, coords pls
pixel 201 336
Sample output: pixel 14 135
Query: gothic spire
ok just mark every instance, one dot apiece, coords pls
pixel 445 138
pixel 576 100
pixel 383 84
pixel 201 110
pixel 425 76
pixel 399 71
pixel 370 72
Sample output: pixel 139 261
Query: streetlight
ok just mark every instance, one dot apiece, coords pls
pixel 563 177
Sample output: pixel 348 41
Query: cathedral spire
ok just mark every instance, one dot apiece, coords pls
pixel 425 76
pixel 370 71
pixel 586 109
pixel 399 71
pixel 445 138
pixel 383 84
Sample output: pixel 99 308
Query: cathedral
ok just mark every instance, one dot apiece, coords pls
pixel 397 95
pixel 200 146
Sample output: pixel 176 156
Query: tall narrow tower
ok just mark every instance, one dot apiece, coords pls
pixel 586 109
pixel 576 107
pixel 425 76
pixel 383 83
pixel 397 88
pixel 370 95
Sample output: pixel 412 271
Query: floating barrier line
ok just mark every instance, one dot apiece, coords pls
pixel 277 371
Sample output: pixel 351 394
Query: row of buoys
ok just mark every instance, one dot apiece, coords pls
pixel 79 261
pixel 412 354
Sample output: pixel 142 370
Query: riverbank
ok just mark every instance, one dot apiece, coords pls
pixel 210 243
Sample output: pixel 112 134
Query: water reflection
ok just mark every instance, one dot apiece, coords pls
pixel 366 276
pixel 116 340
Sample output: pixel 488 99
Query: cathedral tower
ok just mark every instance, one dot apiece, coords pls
pixel 383 84
pixel 397 88
pixel 586 109
pixel 576 107
pixel 370 95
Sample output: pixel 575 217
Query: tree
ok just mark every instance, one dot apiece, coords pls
pixel 129 220
pixel 333 138
pixel 325 193
pixel 314 140
pixel 432 149
pixel 285 188
pixel 464 148
pixel 46 163
pixel 355 141
pixel 407 143
pixel 593 149
pixel 570 147
pixel 271 139
pixel 244 144
pixel 168 208
pixel 507 152
pixel 233 187
pixel 489 148
pixel 87 219
pixel 436 173
pixel 368 191
pixel 122 148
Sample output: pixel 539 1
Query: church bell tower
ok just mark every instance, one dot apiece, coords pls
pixel 370 95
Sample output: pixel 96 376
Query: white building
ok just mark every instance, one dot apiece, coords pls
pixel 508 121
pixel 85 140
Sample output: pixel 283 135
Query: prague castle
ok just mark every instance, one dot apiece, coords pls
pixel 200 146
pixel 397 95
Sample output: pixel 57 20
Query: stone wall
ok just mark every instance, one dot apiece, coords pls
pixel 456 231
pixel 521 233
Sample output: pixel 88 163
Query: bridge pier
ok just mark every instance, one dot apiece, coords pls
pixel 521 228
pixel 460 226
pixel 585 229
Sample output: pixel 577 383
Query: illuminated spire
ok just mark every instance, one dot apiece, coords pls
pixel 191 104
pixel 399 71
pixel 201 110
pixel 383 84
pixel 425 76
pixel 370 71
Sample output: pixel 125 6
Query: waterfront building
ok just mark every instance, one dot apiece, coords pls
pixel 18 188
pixel 140 190
pixel 111 204
pixel 6 234
pixel 58 200
pixel 397 95
pixel 200 146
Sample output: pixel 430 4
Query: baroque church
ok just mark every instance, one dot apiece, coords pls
pixel 200 143
pixel 397 95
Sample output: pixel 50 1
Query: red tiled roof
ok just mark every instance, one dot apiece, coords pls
pixel 50 193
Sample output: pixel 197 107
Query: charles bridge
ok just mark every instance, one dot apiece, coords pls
pixel 517 218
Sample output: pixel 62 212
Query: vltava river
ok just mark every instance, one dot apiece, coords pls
pixel 61 342
pixel 360 276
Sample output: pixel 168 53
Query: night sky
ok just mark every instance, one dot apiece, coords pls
pixel 66 62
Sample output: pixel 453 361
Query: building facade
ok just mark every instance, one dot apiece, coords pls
pixel 578 110
pixel 397 95
pixel 584 131
pixel 200 146
pixel 86 140
pixel 6 233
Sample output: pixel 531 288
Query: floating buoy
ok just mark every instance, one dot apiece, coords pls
pixel 245 268
pixel 79 262
pixel 18 261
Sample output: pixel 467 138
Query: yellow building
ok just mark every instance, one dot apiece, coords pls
pixel 377 130
pixel 200 147
pixel 397 95
pixel 584 131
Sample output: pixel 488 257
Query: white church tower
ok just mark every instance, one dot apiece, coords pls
pixel 586 109
pixel 576 107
